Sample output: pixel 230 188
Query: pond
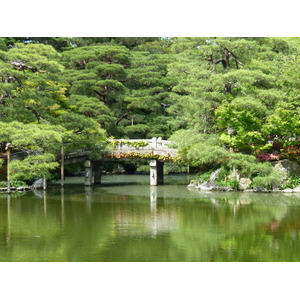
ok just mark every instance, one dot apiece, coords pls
pixel 126 220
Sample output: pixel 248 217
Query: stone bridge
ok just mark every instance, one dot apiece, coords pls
pixel 155 150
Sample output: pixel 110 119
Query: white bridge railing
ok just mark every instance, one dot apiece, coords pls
pixel 154 146
pixel 149 146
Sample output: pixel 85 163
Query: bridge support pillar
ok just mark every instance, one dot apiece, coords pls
pixel 156 172
pixel 88 173
pixel 97 172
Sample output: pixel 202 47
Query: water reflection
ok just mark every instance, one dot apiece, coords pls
pixel 45 202
pixel 153 208
pixel 8 233
pixel 62 197
pixel 88 197
pixel 143 223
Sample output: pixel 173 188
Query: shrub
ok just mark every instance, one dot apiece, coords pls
pixel 291 151
pixel 276 179
pixel 204 176
pixel 14 183
pixel 292 182
pixel 233 183
pixel 268 157
pixel 143 168
pixel 246 165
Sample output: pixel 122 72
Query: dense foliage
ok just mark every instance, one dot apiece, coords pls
pixel 223 101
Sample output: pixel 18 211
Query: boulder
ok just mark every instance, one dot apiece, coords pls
pixel 214 176
pixel 210 184
pixel 38 184
pixel 206 187
pixel 261 189
pixel 291 167
pixel 244 183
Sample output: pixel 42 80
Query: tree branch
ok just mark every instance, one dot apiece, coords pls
pixel 36 113
pixel 22 67
pixel 123 116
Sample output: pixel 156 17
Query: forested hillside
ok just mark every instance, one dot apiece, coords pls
pixel 227 102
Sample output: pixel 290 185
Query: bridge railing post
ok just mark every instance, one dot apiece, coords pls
pixel 159 143
pixel 154 143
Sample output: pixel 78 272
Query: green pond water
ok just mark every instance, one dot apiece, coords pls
pixel 125 219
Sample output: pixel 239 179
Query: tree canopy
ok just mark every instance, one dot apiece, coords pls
pixel 211 95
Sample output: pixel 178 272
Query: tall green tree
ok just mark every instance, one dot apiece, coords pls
pixel 30 89
pixel 147 97
pixel 95 75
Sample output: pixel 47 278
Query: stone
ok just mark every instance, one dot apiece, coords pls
pixel 225 188
pixel 200 181
pixel 210 184
pixel 214 176
pixel 261 189
pixel 206 187
pixel 288 190
pixel 244 183
pixel 297 189
pixel 291 167
pixel 118 169
pixel 192 184
pixel 23 188
pixel 38 184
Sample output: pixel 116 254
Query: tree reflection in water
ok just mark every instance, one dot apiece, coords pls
pixel 142 223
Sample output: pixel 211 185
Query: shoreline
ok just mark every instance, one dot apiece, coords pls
pixel 229 189
pixel 16 189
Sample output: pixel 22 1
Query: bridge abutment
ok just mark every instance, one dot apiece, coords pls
pixel 156 172
pixel 96 166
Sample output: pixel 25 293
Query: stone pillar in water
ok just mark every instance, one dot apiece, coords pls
pixel 88 173
pixel 156 172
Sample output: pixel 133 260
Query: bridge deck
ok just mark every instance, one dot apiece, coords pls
pixel 120 150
